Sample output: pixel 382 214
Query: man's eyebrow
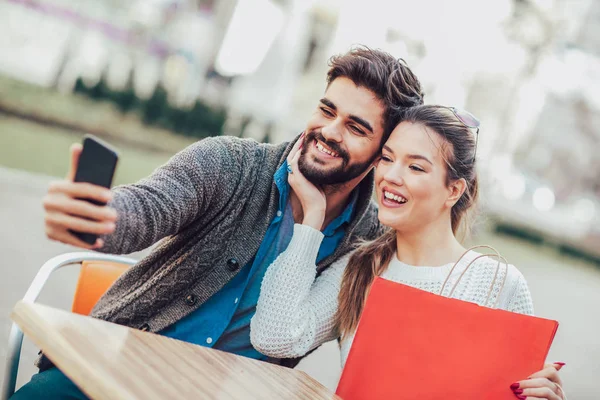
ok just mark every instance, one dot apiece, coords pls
pixel 355 118
pixel 328 103
pixel 362 122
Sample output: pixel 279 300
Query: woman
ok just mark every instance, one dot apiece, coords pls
pixel 425 182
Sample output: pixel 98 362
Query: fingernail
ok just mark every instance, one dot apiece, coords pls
pixel 111 226
pixel 562 364
pixel 521 397
pixel 514 386
pixel 518 391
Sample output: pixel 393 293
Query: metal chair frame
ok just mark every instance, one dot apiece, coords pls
pixel 15 338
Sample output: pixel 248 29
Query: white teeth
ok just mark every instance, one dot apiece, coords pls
pixel 324 150
pixel 394 197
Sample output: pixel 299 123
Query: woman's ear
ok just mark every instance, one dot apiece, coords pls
pixel 456 189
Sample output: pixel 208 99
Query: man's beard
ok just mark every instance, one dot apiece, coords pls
pixel 335 175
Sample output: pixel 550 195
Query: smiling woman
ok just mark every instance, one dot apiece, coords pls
pixel 418 178
pixel 425 182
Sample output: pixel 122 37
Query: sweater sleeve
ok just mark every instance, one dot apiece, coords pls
pixel 172 197
pixel 295 313
pixel 521 301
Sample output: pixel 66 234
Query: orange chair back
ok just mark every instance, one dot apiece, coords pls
pixel 95 278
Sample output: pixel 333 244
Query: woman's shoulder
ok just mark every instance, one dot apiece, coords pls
pixel 486 263
pixel 483 269
pixel 508 282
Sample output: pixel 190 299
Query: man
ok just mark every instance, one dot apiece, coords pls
pixel 225 211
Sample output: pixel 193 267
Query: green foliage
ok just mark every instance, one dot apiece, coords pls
pixel 155 106
pixel 80 87
pixel 198 121
pixel 125 100
pixel 100 91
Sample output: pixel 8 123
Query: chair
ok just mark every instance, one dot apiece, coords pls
pixel 97 273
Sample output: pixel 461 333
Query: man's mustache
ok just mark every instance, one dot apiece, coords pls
pixel 333 146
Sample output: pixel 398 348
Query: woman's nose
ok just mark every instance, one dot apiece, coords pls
pixel 394 175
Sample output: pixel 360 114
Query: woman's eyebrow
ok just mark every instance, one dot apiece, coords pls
pixel 419 157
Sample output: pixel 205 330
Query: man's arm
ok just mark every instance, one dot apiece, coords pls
pixel 138 215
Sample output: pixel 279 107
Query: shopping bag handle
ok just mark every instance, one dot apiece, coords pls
pixel 499 258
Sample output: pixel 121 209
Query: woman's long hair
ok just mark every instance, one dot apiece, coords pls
pixel 372 258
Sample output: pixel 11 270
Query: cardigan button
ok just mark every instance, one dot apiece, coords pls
pixel 191 299
pixel 233 264
pixel 145 327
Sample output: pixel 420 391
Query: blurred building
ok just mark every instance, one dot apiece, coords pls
pixel 544 170
pixel 529 69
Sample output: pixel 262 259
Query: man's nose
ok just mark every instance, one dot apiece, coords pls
pixel 333 131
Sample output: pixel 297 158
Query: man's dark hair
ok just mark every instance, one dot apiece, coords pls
pixel 389 78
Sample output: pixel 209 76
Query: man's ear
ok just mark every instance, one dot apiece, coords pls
pixel 456 190
pixel 376 161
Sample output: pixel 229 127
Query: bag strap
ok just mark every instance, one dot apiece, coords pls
pixel 460 258
pixel 496 254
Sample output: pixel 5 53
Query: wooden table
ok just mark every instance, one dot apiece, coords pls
pixel 109 361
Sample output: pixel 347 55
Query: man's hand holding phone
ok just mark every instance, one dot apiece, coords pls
pixel 70 209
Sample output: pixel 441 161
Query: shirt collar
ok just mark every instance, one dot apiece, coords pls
pixel 344 217
pixel 281 175
pixel 281 181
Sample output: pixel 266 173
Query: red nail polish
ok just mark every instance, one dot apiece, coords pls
pixel 562 364
pixel 518 391
pixel 521 397
pixel 514 386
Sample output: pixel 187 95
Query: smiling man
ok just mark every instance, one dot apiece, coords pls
pixel 342 142
pixel 225 211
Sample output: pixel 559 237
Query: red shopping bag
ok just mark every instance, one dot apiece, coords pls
pixel 412 344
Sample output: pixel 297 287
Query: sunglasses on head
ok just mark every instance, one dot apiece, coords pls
pixel 468 120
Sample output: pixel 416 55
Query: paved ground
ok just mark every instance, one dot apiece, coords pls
pixel 564 289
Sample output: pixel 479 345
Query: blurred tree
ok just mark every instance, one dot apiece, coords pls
pixel 155 106
pixel 203 121
pixel 175 119
pixel 80 87
pixel 100 90
pixel 268 132
pixel 126 99
pixel 199 121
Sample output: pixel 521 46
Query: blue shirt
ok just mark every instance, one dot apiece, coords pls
pixel 223 321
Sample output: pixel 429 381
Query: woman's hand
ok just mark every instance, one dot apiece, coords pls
pixel 312 198
pixel 545 384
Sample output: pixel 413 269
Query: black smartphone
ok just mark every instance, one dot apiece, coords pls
pixel 97 164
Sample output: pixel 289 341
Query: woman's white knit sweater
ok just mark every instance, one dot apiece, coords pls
pixel 295 312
